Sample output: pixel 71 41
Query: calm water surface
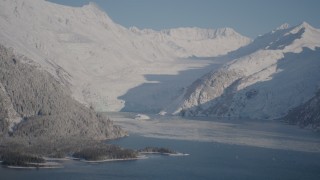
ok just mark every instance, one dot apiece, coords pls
pixel 207 161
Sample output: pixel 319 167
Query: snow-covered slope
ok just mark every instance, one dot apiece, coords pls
pixel 275 73
pixel 98 59
pixel 197 42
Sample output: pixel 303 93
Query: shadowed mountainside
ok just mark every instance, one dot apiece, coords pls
pixel 306 114
pixel 34 104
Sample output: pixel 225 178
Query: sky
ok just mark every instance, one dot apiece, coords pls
pixel 248 17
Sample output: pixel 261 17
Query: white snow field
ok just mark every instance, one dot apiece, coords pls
pixel 101 60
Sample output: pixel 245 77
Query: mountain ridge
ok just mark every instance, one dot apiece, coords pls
pixel 248 85
pixel 106 65
pixel 87 49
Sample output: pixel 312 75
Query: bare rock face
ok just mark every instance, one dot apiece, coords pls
pixel 34 104
pixel 211 86
pixel 307 114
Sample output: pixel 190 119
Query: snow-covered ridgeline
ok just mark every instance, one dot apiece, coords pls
pixel 275 73
pixel 99 59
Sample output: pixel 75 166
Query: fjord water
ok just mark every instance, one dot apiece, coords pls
pixel 207 160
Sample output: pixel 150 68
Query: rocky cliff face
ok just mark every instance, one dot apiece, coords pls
pixel 34 104
pixel 307 114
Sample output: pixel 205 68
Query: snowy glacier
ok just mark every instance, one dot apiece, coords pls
pixel 101 60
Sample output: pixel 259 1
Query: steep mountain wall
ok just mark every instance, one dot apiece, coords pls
pixel 267 78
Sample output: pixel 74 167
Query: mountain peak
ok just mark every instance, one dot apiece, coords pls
pixel 92 5
pixel 283 26
pixel 304 25
pixel 196 33
pixel 228 31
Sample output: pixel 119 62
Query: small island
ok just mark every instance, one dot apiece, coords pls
pixel 161 151
pixel 24 160
pixel 105 153
pixel 47 155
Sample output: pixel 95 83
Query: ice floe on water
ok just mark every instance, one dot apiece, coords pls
pixel 141 117
pixel 267 134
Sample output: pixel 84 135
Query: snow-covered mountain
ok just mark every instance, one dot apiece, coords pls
pixel 98 59
pixel 110 67
pixel 34 105
pixel 197 42
pixel 275 73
